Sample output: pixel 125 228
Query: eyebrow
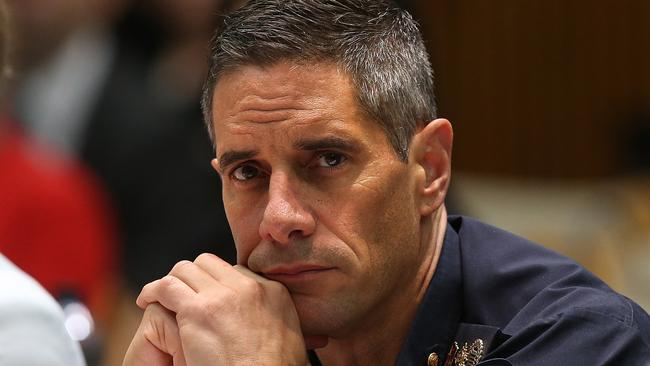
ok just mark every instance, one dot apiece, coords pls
pixel 230 157
pixel 333 142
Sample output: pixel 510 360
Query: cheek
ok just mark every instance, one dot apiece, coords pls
pixel 392 232
pixel 376 220
pixel 392 228
pixel 244 223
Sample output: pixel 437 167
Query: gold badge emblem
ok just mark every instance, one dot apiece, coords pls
pixel 469 354
pixel 433 359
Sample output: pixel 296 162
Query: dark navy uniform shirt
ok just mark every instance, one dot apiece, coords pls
pixel 498 299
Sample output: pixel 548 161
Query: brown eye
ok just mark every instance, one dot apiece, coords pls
pixel 245 172
pixel 330 160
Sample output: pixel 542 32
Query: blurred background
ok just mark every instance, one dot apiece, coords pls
pixel 105 180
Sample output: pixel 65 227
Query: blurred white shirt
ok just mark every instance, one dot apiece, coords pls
pixel 32 330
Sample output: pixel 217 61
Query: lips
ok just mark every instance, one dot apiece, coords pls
pixel 298 272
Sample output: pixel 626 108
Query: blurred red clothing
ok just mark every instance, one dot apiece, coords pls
pixel 55 223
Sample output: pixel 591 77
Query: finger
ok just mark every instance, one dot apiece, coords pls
pixel 267 284
pixel 192 275
pixel 148 347
pixel 233 277
pixel 141 352
pixel 214 266
pixel 169 291
pixel 161 330
pixel 248 273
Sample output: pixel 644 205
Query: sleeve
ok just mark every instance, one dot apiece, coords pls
pixel 32 329
pixel 577 337
pixel 37 337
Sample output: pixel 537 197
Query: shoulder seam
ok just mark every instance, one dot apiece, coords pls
pixel 626 321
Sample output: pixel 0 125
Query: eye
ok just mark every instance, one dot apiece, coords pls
pixel 330 159
pixel 245 172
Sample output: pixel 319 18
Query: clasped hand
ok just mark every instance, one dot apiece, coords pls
pixel 208 312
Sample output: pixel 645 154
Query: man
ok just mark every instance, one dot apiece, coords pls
pixel 335 169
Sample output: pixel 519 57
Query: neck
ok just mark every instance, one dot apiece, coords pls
pixel 379 340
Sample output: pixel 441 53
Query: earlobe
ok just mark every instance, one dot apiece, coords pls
pixel 432 153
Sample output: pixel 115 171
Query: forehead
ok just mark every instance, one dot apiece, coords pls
pixel 288 79
pixel 250 97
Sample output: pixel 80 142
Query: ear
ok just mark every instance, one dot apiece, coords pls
pixel 215 166
pixel 431 154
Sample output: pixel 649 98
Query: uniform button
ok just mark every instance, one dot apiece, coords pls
pixel 433 359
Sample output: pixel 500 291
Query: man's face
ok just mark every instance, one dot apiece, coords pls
pixel 314 193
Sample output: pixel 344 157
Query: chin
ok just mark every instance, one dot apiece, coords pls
pixel 322 317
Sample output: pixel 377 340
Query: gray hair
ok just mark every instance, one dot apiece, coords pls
pixel 375 42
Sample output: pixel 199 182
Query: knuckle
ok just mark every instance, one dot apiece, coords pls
pixel 169 282
pixel 179 266
pixel 149 287
pixel 204 257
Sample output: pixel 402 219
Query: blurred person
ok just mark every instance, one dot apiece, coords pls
pixel 146 140
pixel 118 102
pixel 55 222
pixel 64 54
pixel 56 225
pixel 335 168
pixel 114 101
pixel 32 325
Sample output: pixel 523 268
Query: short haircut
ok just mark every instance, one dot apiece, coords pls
pixel 377 44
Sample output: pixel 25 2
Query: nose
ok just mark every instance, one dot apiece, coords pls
pixel 286 216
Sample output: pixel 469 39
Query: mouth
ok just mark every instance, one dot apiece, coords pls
pixel 297 273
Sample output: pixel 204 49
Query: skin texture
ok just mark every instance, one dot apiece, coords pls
pixel 199 314
pixel 320 205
